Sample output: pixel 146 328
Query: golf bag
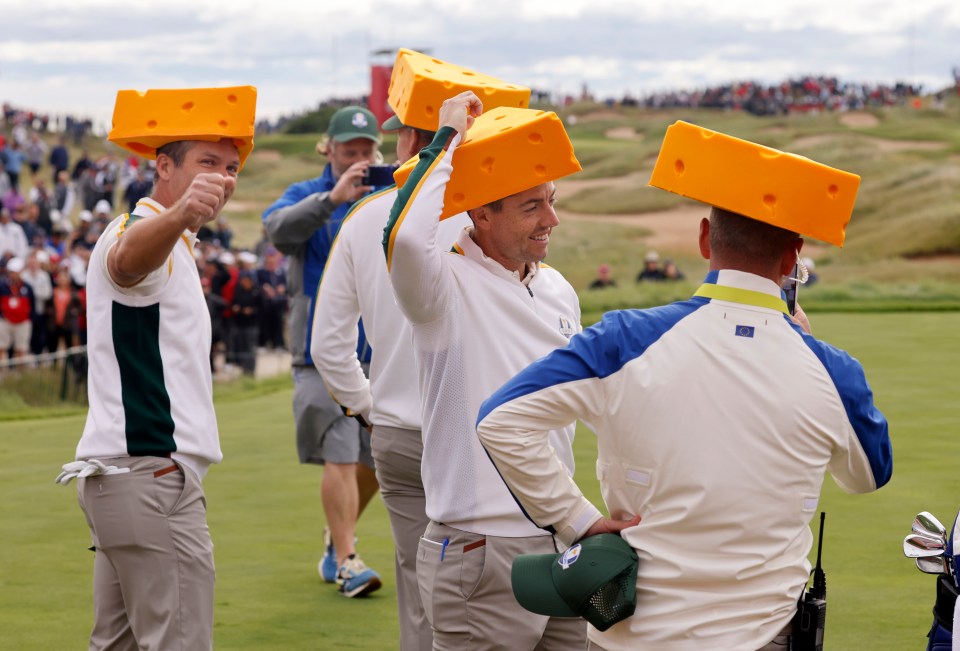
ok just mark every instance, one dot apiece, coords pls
pixel 937 552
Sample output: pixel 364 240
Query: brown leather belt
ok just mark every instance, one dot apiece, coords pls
pixel 166 471
pixel 469 547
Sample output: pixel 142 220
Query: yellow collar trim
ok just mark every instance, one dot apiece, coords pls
pixel 745 296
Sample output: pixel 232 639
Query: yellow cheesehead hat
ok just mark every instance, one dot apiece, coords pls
pixel 144 121
pixel 506 151
pixel 419 84
pixel 775 187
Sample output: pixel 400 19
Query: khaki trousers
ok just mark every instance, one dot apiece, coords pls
pixel 780 643
pixel 153 573
pixel 396 454
pixel 466 592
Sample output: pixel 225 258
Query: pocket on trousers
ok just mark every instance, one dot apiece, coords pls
pixel 428 562
pixel 472 563
pixel 170 489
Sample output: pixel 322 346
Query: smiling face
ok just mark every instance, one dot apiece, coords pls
pixel 199 157
pixel 518 233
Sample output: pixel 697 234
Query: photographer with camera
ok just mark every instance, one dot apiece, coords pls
pixel 303 224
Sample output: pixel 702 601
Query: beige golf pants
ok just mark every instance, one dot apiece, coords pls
pixel 397 453
pixel 469 601
pixel 153 574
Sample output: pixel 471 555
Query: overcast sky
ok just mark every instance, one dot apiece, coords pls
pixel 70 56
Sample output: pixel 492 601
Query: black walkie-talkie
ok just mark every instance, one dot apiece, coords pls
pixel 811 617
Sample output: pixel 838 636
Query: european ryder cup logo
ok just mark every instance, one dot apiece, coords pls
pixel 566 327
pixel 570 556
pixel 359 120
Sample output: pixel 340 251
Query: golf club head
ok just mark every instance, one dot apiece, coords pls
pixel 922 546
pixel 953 551
pixel 930 565
pixel 927 523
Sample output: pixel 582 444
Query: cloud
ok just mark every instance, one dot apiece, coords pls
pixel 62 55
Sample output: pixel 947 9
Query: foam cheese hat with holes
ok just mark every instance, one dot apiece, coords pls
pixel 419 84
pixel 144 121
pixel 506 151
pixel 765 184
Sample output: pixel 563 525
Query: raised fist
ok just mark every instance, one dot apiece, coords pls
pixel 204 198
pixel 460 111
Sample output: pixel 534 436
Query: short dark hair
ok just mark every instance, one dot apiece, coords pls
pixel 493 206
pixel 738 239
pixel 175 151
pixel 422 134
pixel 496 206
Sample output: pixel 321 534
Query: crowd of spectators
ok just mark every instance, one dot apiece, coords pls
pixel 802 94
pixel 20 120
pixel 52 211
pixel 47 233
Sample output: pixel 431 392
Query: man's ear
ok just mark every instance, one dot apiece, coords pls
pixel 164 166
pixel 704 238
pixel 480 217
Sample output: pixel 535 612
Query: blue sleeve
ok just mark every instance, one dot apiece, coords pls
pixel 598 352
pixel 869 424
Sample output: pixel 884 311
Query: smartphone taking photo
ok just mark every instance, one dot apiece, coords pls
pixel 790 290
pixel 379 175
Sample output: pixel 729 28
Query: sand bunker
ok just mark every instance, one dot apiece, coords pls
pixel 882 144
pixel 672 230
pixel 622 133
pixel 859 120
pixel 597 116
pixel 266 155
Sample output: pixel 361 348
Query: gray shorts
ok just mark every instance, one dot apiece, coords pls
pixel 324 433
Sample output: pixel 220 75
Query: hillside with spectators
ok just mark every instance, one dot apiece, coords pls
pixel 61 184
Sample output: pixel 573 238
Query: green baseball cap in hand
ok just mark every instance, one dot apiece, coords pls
pixel 595 579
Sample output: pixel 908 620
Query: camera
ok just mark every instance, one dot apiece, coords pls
pixel 379 175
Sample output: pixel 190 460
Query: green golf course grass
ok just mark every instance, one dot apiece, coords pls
pixel 265 517
pixel 891 297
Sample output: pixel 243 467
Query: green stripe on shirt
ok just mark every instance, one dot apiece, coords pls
pixel 146 403
pixel 428 155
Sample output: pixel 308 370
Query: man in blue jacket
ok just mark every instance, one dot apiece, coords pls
pixel 303 224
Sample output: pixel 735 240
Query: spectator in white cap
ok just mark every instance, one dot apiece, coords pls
pixel 102 211
pixel 42 285
pixel 13 241
pixel 247 259
pixel 16 306
pixel 651 268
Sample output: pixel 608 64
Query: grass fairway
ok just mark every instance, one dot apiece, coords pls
pixel 264 513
